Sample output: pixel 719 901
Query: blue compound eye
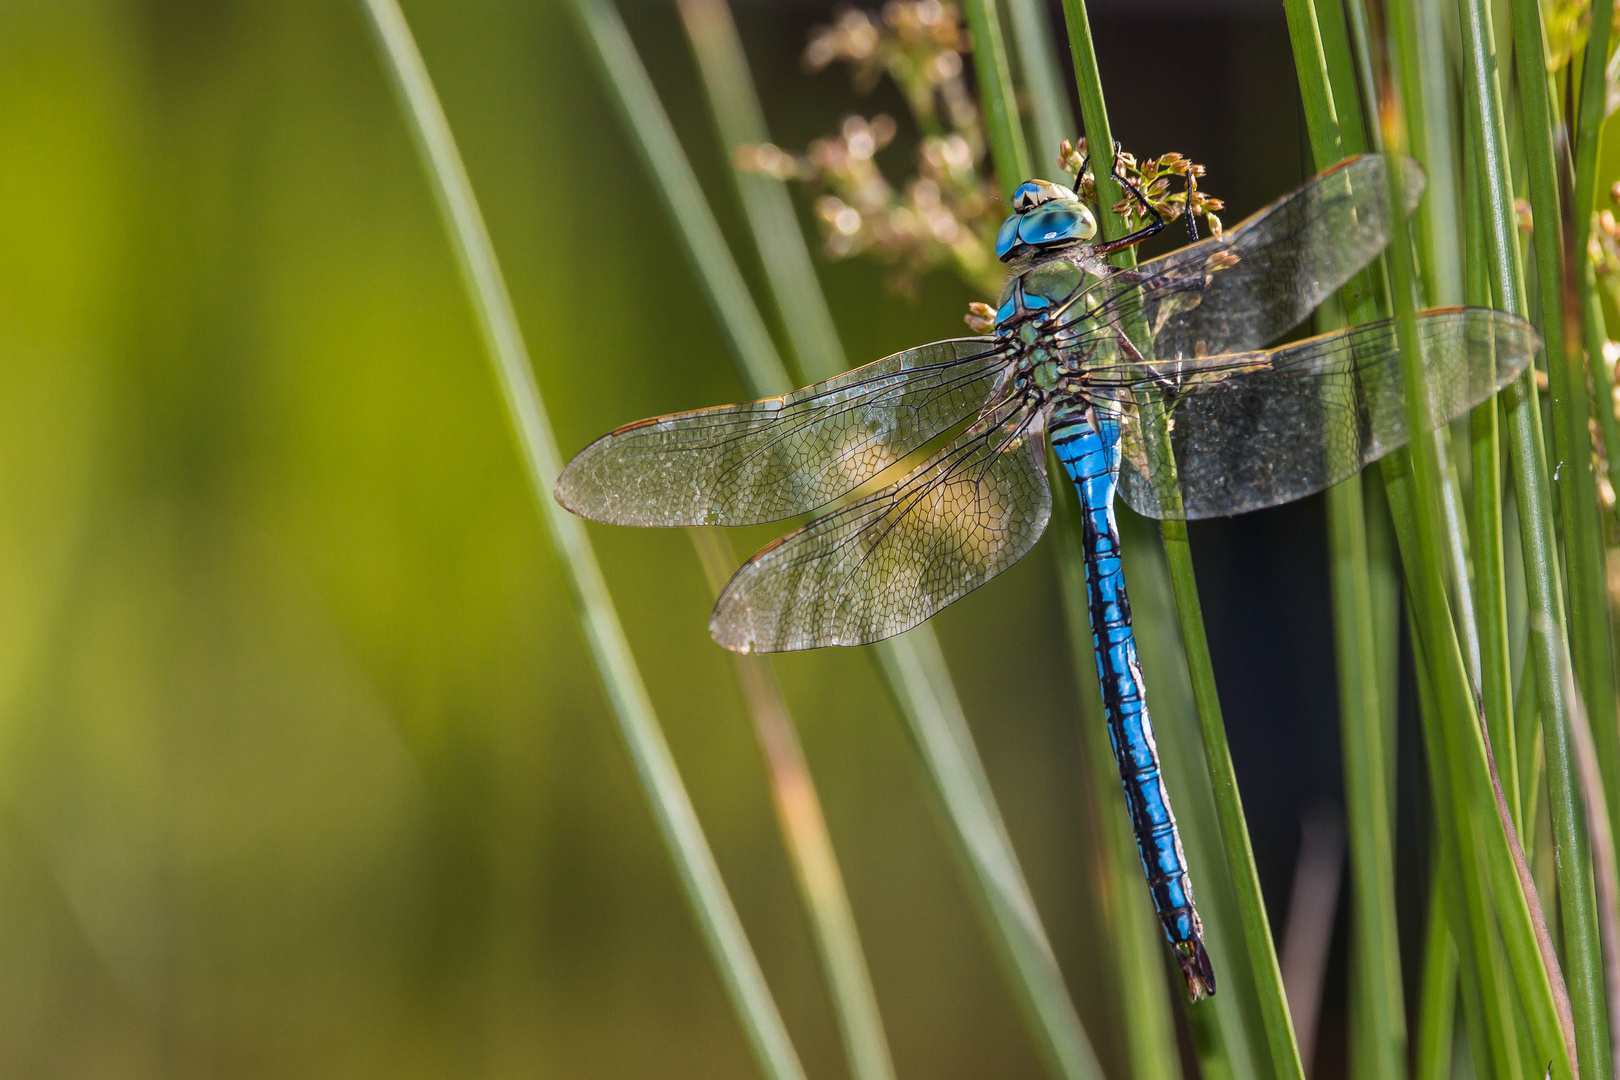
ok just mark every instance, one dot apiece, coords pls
pixel 1007 237
pixel 1033 193
pixel 1064 221
pixel 1027 197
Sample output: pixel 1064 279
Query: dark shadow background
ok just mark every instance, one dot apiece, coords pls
pixel 304 770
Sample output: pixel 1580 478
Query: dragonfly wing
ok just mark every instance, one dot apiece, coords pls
pixel 771 459
pixel 882 565
pixel 1262 277
pixel 1257 429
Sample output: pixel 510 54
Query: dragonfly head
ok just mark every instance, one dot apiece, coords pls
pixel 1045 215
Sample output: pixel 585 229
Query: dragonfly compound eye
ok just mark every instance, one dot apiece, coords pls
pixel 1032 193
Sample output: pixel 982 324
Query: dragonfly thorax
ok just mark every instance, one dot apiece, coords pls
pixel 1034 294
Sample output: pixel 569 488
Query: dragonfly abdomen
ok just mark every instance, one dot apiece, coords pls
pixel 1088 445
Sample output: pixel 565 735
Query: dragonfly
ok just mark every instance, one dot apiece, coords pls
pixel 1153 383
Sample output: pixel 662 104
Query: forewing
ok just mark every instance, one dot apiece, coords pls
pixel 884 564
pixel 1262 277
pixel 771 459
pixel 1254 430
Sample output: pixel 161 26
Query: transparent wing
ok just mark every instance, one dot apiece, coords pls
pixel 771 459
pixel 884 564
pixel 1259 279
pixel 1251 430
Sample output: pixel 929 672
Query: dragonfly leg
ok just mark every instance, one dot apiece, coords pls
pixel 1088 444
pixel 1152 228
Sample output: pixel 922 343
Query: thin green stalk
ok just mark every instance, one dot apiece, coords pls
pixel 1007 146
pixel 809 844
pixel 1378 1000
pixel 1490 567
pixel 1257 938
pixel 1139 951
pixel 1603 858
pixel 913 664
pixel 1261 949
pixel 766 201
pixel 1483 99
pixel 638 724
pixel 1577 500
pixel 1562 329
pixel 1230 1036
pixel 1437 997
pixel 1043 80
pixel 1523 931
pixel 1590 114
pixel 1137 940
pixel 1378 1015
pixel 1461 883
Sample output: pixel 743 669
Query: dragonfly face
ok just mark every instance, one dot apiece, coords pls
pixel 1045 215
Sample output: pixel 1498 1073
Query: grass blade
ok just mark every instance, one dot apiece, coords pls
pixel 638 725
pixel 1007 146
pixel 1043 80
pixel 1437 997
pixel 1603 858
pixel 766 201
pixel 912 663
pixel 809 845
pixel 1378 1014
pixel 1475 786
pixel 1588 615
pixel 1261 951
pixel 1138 941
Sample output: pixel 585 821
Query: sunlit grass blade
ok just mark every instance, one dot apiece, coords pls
pixel 1577 501
pixel 1437 997
pixel 809 844
pixel 1134 934
pixel 1532 960
pixel 1008 148
pixel 1259 946
pixel 1378 1015
pixel 1230 1037
pixel 1139 946
pixel 1043 82
pixel 638 725
pixel 766 201
pixel 913 664
pixel 1605 871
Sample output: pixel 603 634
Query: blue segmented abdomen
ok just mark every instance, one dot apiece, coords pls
pixel 1088 445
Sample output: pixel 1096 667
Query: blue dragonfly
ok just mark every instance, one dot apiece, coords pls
pixel 1154 383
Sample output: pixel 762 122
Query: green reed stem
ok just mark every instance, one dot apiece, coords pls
pixel 766 201
pixel 1562 324
pixel 1378 1015
pixel 1043 80
pixel 1490 573
pixel 1230 1036
pixel 1261 949
pixel 638 725
pixel 1007 146
pixel 1132 930
pixel 1593 629
pixel 1437 996
pixel 1577 500
pixel 1603 858
pixel 1474 788
pixel 913 664
pixel 809 844
pixel 1144 1012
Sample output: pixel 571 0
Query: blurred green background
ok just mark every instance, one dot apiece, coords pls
pixel 304 769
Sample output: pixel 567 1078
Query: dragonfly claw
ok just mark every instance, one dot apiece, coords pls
pixel 1196 968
